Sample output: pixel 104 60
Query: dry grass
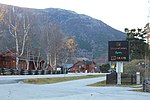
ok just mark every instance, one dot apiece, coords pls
pixel 103 83
pixel 58 79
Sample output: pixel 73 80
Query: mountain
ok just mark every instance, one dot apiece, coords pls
pixel 92 35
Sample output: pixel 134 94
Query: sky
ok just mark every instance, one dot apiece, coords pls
pixel 119 14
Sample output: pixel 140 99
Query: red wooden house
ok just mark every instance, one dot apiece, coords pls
pixel 8 60
pixel 83 66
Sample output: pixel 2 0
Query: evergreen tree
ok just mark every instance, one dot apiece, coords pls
pixel 137 43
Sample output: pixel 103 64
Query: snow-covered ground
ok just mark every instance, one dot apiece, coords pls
pixel 71 90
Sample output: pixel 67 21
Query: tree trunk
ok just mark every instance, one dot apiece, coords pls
pixel 27 61
pixel 17 51
pixel 55 59
pixel 17 62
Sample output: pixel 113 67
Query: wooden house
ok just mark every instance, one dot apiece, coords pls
pixel 83 66
pixel 8 60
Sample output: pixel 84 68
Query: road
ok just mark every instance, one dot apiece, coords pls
pixel 15 79
pixel 71 90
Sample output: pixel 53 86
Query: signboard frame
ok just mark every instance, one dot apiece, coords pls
pixel 118 51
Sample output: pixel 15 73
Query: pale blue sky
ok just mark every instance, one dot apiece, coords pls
pixel 117 13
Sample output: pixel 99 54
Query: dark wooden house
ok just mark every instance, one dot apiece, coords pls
pixel 8 60
pixel 83 66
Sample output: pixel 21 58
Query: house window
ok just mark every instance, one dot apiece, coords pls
pixel 80 67
pixel 5 62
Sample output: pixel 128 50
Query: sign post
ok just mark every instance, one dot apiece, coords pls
pixel 119 70
pixel 118 51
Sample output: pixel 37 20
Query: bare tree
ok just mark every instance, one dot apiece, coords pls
pixel 2 15
pixel 36 43
pixel 55 41
pixel 58 48
pixel 2 12
pixel 18 26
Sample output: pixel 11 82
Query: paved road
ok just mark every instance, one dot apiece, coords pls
pixel 15 79
pixel 71 90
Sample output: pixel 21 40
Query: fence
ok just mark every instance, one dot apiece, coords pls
pixel 111 78
pixel 146 85
pixel 125 78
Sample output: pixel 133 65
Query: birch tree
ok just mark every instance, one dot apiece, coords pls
pixel 68 50
pixel 55 41
pixel 2 12
pixel 18 25
pixel 2 15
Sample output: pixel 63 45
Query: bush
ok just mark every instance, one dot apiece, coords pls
pixel 134 66
pixel 104 68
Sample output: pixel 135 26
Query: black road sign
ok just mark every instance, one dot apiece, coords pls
pixel 118 51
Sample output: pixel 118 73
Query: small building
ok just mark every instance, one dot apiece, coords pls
pixel 83 66
pixel 8 60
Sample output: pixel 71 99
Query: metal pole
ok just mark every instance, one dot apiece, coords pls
pixel 119 78
pixel 118 73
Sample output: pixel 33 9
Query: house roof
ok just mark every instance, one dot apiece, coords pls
pixel 81 59
pixel 69 65
pixel 9 53
pixel 87 62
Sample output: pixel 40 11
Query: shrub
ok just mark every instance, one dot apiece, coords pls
pixel 134 66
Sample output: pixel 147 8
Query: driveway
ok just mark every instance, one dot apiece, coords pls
pixel 71 90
